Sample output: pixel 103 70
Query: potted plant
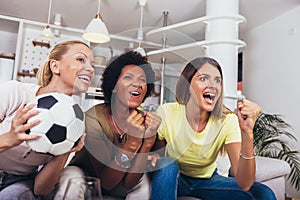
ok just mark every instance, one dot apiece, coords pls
pixel 271 139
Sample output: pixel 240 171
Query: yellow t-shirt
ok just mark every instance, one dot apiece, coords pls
pixel 195 152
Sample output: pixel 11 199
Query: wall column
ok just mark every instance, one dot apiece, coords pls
pixel 221 34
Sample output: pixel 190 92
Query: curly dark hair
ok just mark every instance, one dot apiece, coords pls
pixel 113 70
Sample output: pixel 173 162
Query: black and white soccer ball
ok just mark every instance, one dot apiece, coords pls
pixel 61 126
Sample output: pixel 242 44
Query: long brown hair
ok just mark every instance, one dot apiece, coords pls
pixel 184 81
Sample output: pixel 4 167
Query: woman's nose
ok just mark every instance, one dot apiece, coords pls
pixel 137 83
pixel 212 83
pixel 89 67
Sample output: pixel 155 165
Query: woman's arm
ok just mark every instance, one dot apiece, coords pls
pixel 104 167
pixel 243 170
pixel 241 155
pixel 136 149
pixel 49 175
pixel 152 122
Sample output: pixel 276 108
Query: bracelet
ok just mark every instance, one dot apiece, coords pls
pixel 124 161
pixel 247 158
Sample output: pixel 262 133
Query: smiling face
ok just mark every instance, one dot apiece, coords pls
pixel 206 87
pixel 131 87
pixel 75 70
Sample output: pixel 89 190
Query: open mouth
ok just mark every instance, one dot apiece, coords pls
pixel 209 97
pixel 135 93
pixel 84 78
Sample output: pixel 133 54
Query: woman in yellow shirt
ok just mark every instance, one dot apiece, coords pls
pixel 196 128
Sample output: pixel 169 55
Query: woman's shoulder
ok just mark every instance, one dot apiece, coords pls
pixel 96 109
pixel 172 106
pixel 15 93
pixel 17 85
pixel 97 119
pixel 230 117
pixel 170 110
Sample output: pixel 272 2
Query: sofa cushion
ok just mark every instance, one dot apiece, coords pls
pixel 269 168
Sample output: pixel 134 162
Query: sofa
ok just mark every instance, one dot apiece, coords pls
pixel 272 172
pixel 269 171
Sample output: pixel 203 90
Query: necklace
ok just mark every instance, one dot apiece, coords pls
pixel 121 134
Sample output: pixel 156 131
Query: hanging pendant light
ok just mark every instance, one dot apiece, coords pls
pixel 47 33
pixel 96 30
pixel 140 34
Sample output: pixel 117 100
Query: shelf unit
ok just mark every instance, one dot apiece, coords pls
pixel 182 38
pixel 29 49
pixel 196 38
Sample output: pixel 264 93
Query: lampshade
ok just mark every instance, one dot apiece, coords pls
pixel 47 33
pixel 96 31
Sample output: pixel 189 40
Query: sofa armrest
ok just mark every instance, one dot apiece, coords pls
pixel 269 168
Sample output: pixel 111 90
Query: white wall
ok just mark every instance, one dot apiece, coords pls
pixel 8 42
pixel 271 70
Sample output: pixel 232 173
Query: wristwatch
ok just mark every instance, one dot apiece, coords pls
pixel 122 160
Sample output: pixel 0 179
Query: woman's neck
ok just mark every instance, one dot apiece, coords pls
pixel 51 87
pixel 119 114
pixel 196 117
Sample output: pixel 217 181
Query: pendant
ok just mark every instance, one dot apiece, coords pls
pixel 121 138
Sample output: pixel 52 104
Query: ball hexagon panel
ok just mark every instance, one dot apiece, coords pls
pixel 42 144
pixel 58 148
pixel 62 113
pixel 76 128
pixel 45 122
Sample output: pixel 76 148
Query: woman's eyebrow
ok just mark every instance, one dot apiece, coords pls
pixel 79 52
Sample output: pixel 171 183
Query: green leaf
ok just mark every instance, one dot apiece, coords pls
pixel 270 140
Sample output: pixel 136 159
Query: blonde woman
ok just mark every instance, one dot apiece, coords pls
pixel 69 69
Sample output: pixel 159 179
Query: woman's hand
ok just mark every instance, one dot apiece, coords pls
pixel 79 145
pixel 135 131
pixel 247 115
pixel 135 123
pixel 19 125
pixel 152 122
pixel 152 159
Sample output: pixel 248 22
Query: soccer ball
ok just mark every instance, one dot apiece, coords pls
pixel 61 126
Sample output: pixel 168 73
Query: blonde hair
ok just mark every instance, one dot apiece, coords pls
pixel 44 75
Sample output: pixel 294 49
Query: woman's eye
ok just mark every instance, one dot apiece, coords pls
pixel 202 78
pixel 142 80
pixel 218 81
pixel 82 60
pixel 127 77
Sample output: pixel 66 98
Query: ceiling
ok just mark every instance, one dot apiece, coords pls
pixel 122 17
